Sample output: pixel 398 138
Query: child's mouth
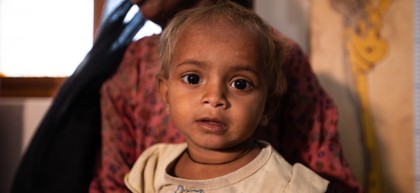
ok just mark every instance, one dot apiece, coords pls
pixel 212 125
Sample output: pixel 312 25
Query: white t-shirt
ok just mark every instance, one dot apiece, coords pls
pixel 268 172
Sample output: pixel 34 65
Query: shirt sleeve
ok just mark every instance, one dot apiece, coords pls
pixel 305 180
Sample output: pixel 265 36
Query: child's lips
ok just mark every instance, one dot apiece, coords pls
pixel 212 125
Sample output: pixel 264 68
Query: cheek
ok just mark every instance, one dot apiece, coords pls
pixel 180 99
pixel 251 109
pixel 181 109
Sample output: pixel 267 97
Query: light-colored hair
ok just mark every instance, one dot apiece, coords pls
pixel 270 51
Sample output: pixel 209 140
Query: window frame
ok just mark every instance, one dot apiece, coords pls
pixel 42 86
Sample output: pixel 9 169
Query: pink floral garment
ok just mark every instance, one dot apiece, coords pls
pixel 133 119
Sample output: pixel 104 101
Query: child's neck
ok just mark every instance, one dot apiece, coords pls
pixel 199 165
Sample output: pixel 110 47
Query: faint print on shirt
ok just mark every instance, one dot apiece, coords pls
pixel 182 189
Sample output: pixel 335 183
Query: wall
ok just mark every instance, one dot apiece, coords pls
pixel 373 62
pixel 289 17
pixel 19 118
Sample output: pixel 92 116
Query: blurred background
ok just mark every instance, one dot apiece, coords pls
pixel 363 52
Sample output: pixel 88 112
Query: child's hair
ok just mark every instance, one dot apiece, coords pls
pixel 269 49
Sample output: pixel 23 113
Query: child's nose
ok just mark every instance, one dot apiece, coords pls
pixel 215 96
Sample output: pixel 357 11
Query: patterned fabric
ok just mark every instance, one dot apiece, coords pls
pixel 133 118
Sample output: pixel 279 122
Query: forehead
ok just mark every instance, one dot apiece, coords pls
pixel 215 44
pixel 209 33
pixel 217 23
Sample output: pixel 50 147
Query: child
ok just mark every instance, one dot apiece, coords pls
pixel 218 78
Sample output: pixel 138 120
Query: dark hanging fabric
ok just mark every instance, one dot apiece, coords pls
pixel 62 154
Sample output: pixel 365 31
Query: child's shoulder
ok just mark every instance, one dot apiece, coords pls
pixel 305 180
pixel 152 161
pixel 297 177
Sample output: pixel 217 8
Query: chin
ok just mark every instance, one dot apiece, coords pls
pixel 215 144
pixel 205 143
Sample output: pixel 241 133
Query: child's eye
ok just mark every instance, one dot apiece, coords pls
pixel 191 78
pixel 241 84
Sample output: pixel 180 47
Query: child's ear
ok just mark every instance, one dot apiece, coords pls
pixel 163 90
pixel 269 110
pixel 264 120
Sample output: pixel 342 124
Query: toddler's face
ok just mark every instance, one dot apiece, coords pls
pixel 215 92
